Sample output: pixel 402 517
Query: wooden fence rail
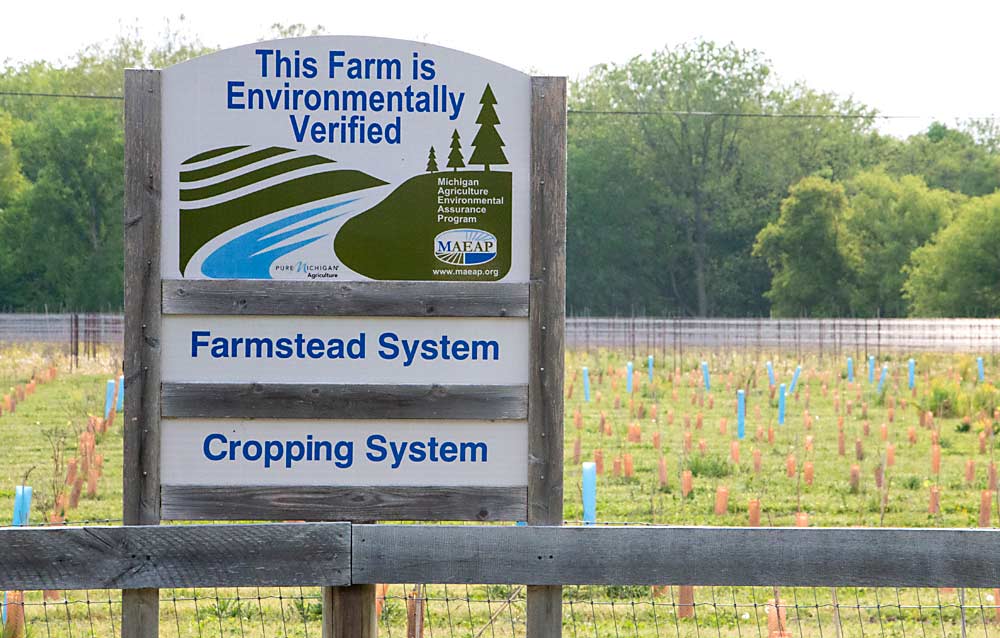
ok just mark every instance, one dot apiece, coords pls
pixel 334 554
pixel 139 557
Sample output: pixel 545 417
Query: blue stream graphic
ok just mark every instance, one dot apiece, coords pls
pixel 248 256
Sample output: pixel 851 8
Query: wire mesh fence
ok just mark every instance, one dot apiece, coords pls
pixel 98 328
pixel 663 336
pixel 649 334
pixel 477 611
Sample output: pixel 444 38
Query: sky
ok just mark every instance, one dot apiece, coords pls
pixel 915 58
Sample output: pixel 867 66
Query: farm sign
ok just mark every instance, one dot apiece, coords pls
pixel 344 285
pixel 345 159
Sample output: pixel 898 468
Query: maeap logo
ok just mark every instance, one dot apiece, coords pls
pixel 465 246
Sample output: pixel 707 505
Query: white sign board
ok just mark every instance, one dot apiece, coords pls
pixel 342 453
pixel 379 350
pixel 345 158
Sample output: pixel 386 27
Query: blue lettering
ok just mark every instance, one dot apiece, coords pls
pixel 296 452
pixel 335 63
pixel 398 453
pixel 315 348
pixel 410 351
pixel 418 451
pixel 485 350
pixel 273 451
pixel 207 447
pixel 283 348
pixel 299 132
pixel 429 351
pixel 356 347
pixel 376 447
pixel 197 341
pixel 220 348
pixel 448 451
pixel 232 93
pixel 257 447
pixel 389 348
pixel 345 454
pixel 264 54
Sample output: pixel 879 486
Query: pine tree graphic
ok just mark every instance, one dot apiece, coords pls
pixel 488 145
pixel 455 159
pixel 432 165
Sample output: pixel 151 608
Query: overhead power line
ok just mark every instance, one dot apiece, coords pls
pixel 797 116
pixel 78 96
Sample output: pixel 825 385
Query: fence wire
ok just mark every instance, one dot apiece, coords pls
pixel 672 336
pixel 477 611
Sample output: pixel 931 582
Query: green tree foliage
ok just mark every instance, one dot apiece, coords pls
pixel 951 159
pixel 957 274
pixel 432 165
pixel 61 223
pixel 296 30
pixel 611 229
pixel 11 179
pixel 455 160
pixel 62 238
pixel 886 221
pixel 487 143
pixel 802 248
pixel 675 166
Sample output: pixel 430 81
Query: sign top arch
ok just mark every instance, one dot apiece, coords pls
pixel 291 159
pixel 372 43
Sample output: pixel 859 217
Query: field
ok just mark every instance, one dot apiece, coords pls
pixel 43 434
pixel 816 413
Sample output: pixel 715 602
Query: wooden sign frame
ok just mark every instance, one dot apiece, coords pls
pixel 148 298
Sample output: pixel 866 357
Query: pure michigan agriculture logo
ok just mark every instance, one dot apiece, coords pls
pixel 465 247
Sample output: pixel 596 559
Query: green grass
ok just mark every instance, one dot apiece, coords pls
pixel 42 434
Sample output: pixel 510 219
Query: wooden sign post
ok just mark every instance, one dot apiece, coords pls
pixel 345 283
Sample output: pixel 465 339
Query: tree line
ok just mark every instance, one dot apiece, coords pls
pixel 699 185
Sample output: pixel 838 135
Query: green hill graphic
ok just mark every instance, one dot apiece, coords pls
pixel 395 238
pixel 200 224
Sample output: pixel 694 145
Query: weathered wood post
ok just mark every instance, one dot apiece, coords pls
pixel 548 314
pixel 141 470
pixel 349 611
